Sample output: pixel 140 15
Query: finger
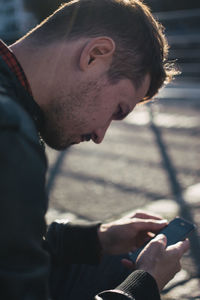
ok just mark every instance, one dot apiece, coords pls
pixel 147 239
pixel 145 215
pixel 151 235
pixel 155 247
pixel 160 239
pixel 180 247
pixel 149 225
pixel 128 264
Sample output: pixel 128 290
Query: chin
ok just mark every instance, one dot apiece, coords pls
pixel 56 145
pixel 56 141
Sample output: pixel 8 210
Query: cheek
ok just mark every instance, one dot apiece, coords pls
pixel 102 117
pixel 107 110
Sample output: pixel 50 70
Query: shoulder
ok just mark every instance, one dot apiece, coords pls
pixel 14 117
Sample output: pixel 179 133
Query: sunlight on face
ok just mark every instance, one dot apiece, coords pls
pixel 87 110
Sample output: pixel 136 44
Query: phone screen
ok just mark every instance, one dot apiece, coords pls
pixel 177 230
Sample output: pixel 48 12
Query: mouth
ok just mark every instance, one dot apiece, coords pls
pixel 83 138
pixel 86 137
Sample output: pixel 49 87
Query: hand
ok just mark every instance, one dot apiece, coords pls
pixel 161 262
pixel 129 233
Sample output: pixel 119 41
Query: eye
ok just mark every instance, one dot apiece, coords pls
pixel 119 115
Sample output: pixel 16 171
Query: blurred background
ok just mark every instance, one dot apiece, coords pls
pixel 151 160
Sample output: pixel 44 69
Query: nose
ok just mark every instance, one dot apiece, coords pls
pixel 99 134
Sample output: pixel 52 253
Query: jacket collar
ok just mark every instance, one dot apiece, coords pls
pixel 24 97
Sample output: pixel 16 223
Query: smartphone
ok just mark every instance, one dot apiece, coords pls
pixel 177 230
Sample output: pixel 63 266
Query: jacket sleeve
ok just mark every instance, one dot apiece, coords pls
pixel 24 265
pixel 73 243
pixel 139 285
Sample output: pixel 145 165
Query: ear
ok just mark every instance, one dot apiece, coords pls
pixel 97 51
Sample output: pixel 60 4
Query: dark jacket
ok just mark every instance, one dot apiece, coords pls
pixel 28 249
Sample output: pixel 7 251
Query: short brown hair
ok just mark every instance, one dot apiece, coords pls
pixel 141 46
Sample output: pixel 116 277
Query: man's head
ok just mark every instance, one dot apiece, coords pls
pixel 109 56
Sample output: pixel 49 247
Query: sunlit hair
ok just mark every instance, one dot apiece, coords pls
pixel 141 46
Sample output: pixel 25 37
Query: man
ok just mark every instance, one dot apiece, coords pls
pixel 90 63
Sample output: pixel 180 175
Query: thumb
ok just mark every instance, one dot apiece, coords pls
pixel 181 247
pixel 160 239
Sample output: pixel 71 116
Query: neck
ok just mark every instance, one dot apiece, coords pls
pixel 40 65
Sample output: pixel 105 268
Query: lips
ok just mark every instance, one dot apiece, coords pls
pixel 86 137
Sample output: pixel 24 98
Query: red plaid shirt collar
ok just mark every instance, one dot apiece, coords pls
pixel 14 65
